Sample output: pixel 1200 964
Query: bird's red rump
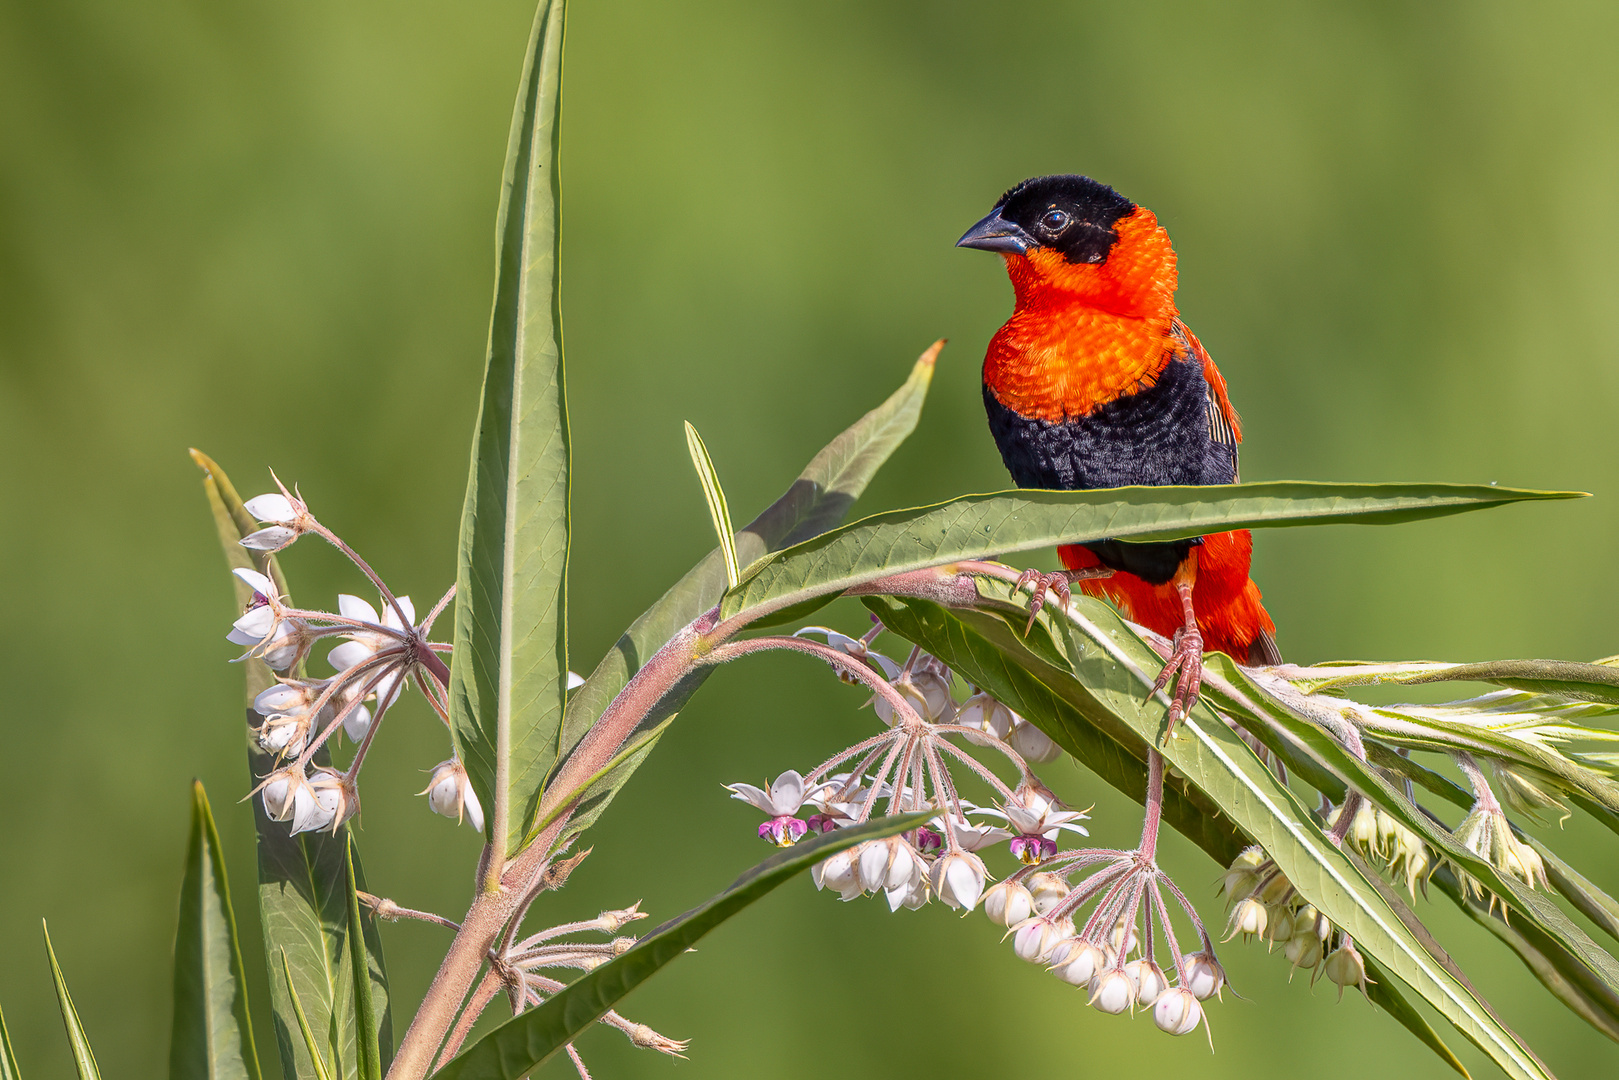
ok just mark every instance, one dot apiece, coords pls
pixel 1229 612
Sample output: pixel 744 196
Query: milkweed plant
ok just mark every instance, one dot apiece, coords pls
pixel 1332 819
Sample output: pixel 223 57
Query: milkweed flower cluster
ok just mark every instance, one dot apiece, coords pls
pixel 1264 904
pixel 1109 933
pixel 377 653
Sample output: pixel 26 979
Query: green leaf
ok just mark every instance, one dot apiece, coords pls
pixel 368 1064
pixel 213 1035
pixel 527 1040
pixel 714 494
pixel 983 526
pixel 509 679
pixel 8 1056
pixel 1382 991
pixel 1563 678
pixel 817 500
pixel 1296 717
pixel 84 1059
pixel 311 1044
pixel 1107 670
pixel 302 879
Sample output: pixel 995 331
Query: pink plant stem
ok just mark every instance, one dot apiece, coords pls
pixel 1148 851
pixel 488 987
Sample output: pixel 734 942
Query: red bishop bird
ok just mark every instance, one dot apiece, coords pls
pixel 1094 382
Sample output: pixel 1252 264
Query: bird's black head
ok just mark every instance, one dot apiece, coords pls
pixel 1074 215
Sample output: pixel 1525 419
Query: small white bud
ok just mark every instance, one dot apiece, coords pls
pixel 1047 891
pixel 279 793
pixel 1033 939
pixel 274 508
pixel 1247 918
pixel 1345 968
pixel 1177 1012
pixel 449 793
pixel 1204 975
pixel 1148 979
pixel 875 855
pixel 357 723
pixel 1123 938
pixel 1008 903
pixel 1112 992
pixel 983 713
pixel 839 873
pixel 1034 745
pixel 1303 950
pixel 1081 962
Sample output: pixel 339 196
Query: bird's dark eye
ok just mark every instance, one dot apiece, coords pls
pixel 1054 220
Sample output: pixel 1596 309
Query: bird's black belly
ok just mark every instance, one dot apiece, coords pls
pixel 1158 435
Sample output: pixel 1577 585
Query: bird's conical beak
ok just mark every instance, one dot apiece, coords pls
pixel 995 233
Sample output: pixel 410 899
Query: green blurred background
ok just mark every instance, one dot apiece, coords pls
pixel 266 230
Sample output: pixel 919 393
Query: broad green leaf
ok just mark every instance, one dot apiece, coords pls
pixel 527 1040
pixel 509 679
pixel 1381 990
pixel 984 526
pixel 1108 669
pixel 816 501
pixel 718 510
pixel 302 879
pixel 213 1035
pixel 1531 905
pixel 317 1056
pixel 84 1059
pixel 8 1056
pixel 368 1064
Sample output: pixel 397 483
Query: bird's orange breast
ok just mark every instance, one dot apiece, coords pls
pixel 1085 334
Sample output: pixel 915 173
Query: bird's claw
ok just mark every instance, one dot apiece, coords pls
pixel 1186 661
pixel 1056 581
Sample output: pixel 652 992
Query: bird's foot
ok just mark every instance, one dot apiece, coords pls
pixel 1056 581
pixel 1185 661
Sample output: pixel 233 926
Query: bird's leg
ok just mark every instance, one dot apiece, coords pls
pixel 1057 581
pixel 1186 653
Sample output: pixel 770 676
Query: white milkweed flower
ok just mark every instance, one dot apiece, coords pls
pixel 1034 938
pixel 839 873
pixel 287 520
pixel 1247 918
pixel 336 800
pixel 958 878
pixel 450 793
pixel 282 791
pixel 1346 967
pixel 781 801
pixel 971 837
pixel 853 647
pixel 1038 819
pixel 264 627
pixel 1047 891
pixel 1148 979
pixel 1078 964
pixel 362 645
pixel 1177 1011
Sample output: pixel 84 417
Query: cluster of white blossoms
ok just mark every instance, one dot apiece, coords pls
pixel 1267 906
pixel 377 655
pixel 1116 952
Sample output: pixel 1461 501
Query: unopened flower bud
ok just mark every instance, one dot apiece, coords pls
pixel 1303 950
pixel 335 801
pixel 280 792
pixel 1274 889
pixel 1204 975
pixel 1008 903
pixel 1345 968
pixel 283 733
pixel 1247 918
pixel 1123 938
pixel 1112 992
pixel 1034 745
pixel 450 793
pixel 839 873
pixel 874 857
pixel 1148 979
pixel 1047 891
pixel 1033 939
pixel 1279 921
pixel 1177 1011
pixel 1241 878
pixel 1081 962
pixel 984 714
pixel 959 880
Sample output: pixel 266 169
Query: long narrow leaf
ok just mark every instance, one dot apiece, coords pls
pixel 1382 991
pixel 983 526
pixel 1109 666
pixel 311 1044
pixel 302 879
pixel 213 1034
pixel 527 1040
pixel 508 685
pixel 816 501
pixel 714 495
pixel 8 1056
pixel 368 1061
pixel 84 1059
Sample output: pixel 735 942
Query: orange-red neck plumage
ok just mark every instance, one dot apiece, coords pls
pixel 1083 334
